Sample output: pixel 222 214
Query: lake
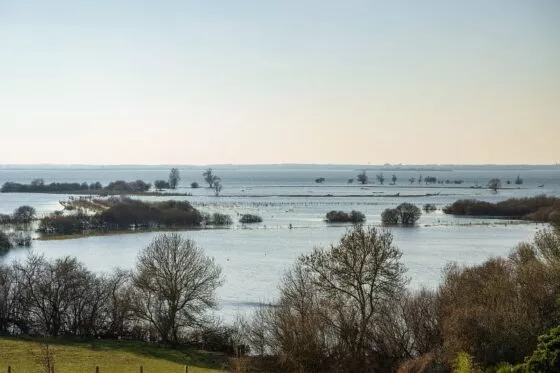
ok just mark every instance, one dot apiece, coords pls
pixel 255 257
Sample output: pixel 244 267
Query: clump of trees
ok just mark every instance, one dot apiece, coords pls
pixel 250 219
pixel 405 214
pixel 21 215
pixel 539 208
pixel 165 297
pixel 345 217
pixel 320 180
pixel 123 214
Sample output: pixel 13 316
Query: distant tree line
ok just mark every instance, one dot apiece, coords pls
pixel 164 298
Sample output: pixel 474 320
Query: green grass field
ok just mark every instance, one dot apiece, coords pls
pixel 24 356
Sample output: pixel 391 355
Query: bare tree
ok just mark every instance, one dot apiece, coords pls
pixel 174 283
pixel 494 184
pixel 217 186
pixel 362 178
pixel 332 301
pixel 380 178
pixel 209 177
pixel 174 178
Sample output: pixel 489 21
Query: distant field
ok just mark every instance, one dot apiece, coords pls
pixel 111 356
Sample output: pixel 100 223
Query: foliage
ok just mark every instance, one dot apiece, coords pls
pixel 162 184
pixel 250 218
pixel 464 364
pixel 344 217
pixel 320 180
pixel 174 178
pixel 380 178
pixel 194 185
pixel 546 357
pixel 540 208
pixel 362 178
pixel 518 180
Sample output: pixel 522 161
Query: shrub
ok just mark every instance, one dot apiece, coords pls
pixel 221 219
pixel 429 207
pixel 546 357
pixel 250 218
pixel 20 239
pixel 161 184
pixel 195 185
pixel 344 217
pixel 24 214
pixel 320 180
pixel 390 217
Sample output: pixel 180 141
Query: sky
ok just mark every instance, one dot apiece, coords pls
pixel 279 81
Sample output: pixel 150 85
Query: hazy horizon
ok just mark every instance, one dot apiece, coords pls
pixel 280 82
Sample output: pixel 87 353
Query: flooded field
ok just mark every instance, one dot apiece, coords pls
pixel 293 208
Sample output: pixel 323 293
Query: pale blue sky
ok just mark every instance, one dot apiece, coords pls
pixel 199 82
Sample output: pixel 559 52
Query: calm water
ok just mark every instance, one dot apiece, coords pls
pixel 255 258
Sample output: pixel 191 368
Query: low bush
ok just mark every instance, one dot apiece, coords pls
pixel 161 184
pixel 344 217
pixel 250 218
pixel 220 219
pixel 429 207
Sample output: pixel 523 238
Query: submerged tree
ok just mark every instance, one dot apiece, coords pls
pixel 362 178
pixel 174 178
pixel 394 179
pixel 494 184
pixel 380 178
pixel 175 282
pixel 210 178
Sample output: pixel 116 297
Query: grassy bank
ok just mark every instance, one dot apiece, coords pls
pixel 71 356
